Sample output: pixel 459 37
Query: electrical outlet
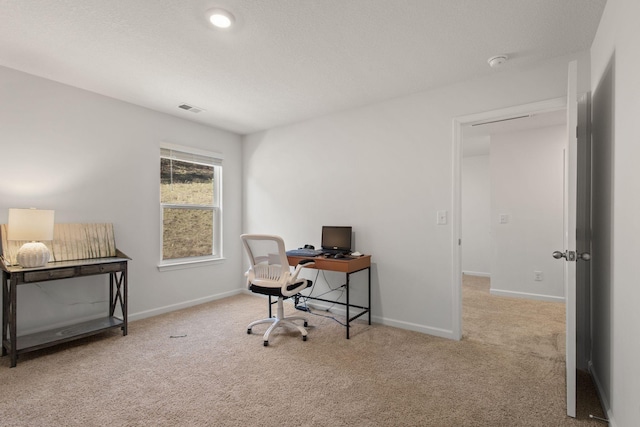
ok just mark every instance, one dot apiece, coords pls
pixel 537 276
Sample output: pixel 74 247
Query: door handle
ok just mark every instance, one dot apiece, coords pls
pixel 572 255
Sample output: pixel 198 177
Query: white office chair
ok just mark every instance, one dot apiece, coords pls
pixel 269 274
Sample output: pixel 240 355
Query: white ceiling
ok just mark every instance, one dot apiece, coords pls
pixel 286 60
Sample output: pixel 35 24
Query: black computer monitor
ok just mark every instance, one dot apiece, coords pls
pixel 336 239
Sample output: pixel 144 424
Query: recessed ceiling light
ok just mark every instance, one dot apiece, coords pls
pixel 220 18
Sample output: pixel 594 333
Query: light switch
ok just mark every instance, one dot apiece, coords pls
pixel 504 218
pixel 442 218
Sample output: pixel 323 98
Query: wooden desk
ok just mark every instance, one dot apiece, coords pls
pixel 12 276
pixel 349 267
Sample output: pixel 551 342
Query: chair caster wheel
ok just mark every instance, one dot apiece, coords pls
pixel 249 331
pixel 306 324
pixel 266 343
pixel 304 338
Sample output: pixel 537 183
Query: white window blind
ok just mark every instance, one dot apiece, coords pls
pixel 213 159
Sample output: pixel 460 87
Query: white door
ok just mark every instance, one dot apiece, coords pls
pixel 575 223
pixel 570 209
pixel 583 235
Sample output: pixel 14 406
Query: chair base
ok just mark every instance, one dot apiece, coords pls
pixel 279 321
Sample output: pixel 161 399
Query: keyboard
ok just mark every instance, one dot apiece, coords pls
pixel 304 252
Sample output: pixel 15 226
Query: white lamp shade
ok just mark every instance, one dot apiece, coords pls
pixel 30 224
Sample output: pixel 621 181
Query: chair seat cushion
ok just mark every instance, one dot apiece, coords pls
pixel 266 290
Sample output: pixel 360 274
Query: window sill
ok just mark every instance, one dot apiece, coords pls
pixel 182 264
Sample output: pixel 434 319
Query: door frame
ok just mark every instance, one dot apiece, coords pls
pixel 456 208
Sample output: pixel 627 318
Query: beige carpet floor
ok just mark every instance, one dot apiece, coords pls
pixel 520 325
pixel 199 367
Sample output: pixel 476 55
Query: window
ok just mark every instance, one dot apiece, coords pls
pixel 190 205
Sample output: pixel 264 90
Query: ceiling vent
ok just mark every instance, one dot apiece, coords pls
pixel 191 108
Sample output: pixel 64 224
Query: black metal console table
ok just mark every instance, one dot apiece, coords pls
pixel 13 276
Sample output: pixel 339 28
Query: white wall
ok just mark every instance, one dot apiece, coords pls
pixel 96 159
pixel 616 229
pixel 385 169
pixel 476 209
pixel 526 186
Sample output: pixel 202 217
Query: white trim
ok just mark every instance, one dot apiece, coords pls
pixel 182 305
pixel 213 159
pixel 136 316
pixel 183 263
pixel 69 322
pixel 525 295
pixel 456 215
pixel 476 273
pixel 456 231
pixel 602 396
pixel 429 330
pixel 218 244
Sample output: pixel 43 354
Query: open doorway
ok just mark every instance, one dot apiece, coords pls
pixel 512 218
pixel 501 228
pixel 573 332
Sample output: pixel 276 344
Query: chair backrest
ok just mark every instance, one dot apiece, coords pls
pixel 267 258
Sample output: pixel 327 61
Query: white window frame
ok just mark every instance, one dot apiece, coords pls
pixel 203 157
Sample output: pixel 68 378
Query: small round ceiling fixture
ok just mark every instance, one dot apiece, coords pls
pixel 220 18
pixel 498 60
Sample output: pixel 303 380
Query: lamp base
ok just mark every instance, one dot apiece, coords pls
pixel 33 254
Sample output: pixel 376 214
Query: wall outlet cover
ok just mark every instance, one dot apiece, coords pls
pixel 442 218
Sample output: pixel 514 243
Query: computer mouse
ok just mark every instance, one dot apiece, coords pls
pixel 338 256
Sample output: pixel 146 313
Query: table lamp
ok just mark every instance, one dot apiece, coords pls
pixel 33 225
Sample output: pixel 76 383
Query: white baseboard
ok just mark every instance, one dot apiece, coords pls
pixel 513 294
pixel 181 305
pixel 429 330
pixel 476 273
pixel 134 316
pixel 63 324
pixel 601 396
pixel 338 309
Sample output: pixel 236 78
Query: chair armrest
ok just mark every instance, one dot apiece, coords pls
pixel 294 276
pixel 300 266
pixel 250 275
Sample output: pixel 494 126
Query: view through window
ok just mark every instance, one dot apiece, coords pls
pixel 190 205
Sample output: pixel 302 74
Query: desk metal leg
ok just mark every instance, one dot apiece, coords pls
pixel 348 305
pixel 125 303
pixel 369 293
pixel 367 308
